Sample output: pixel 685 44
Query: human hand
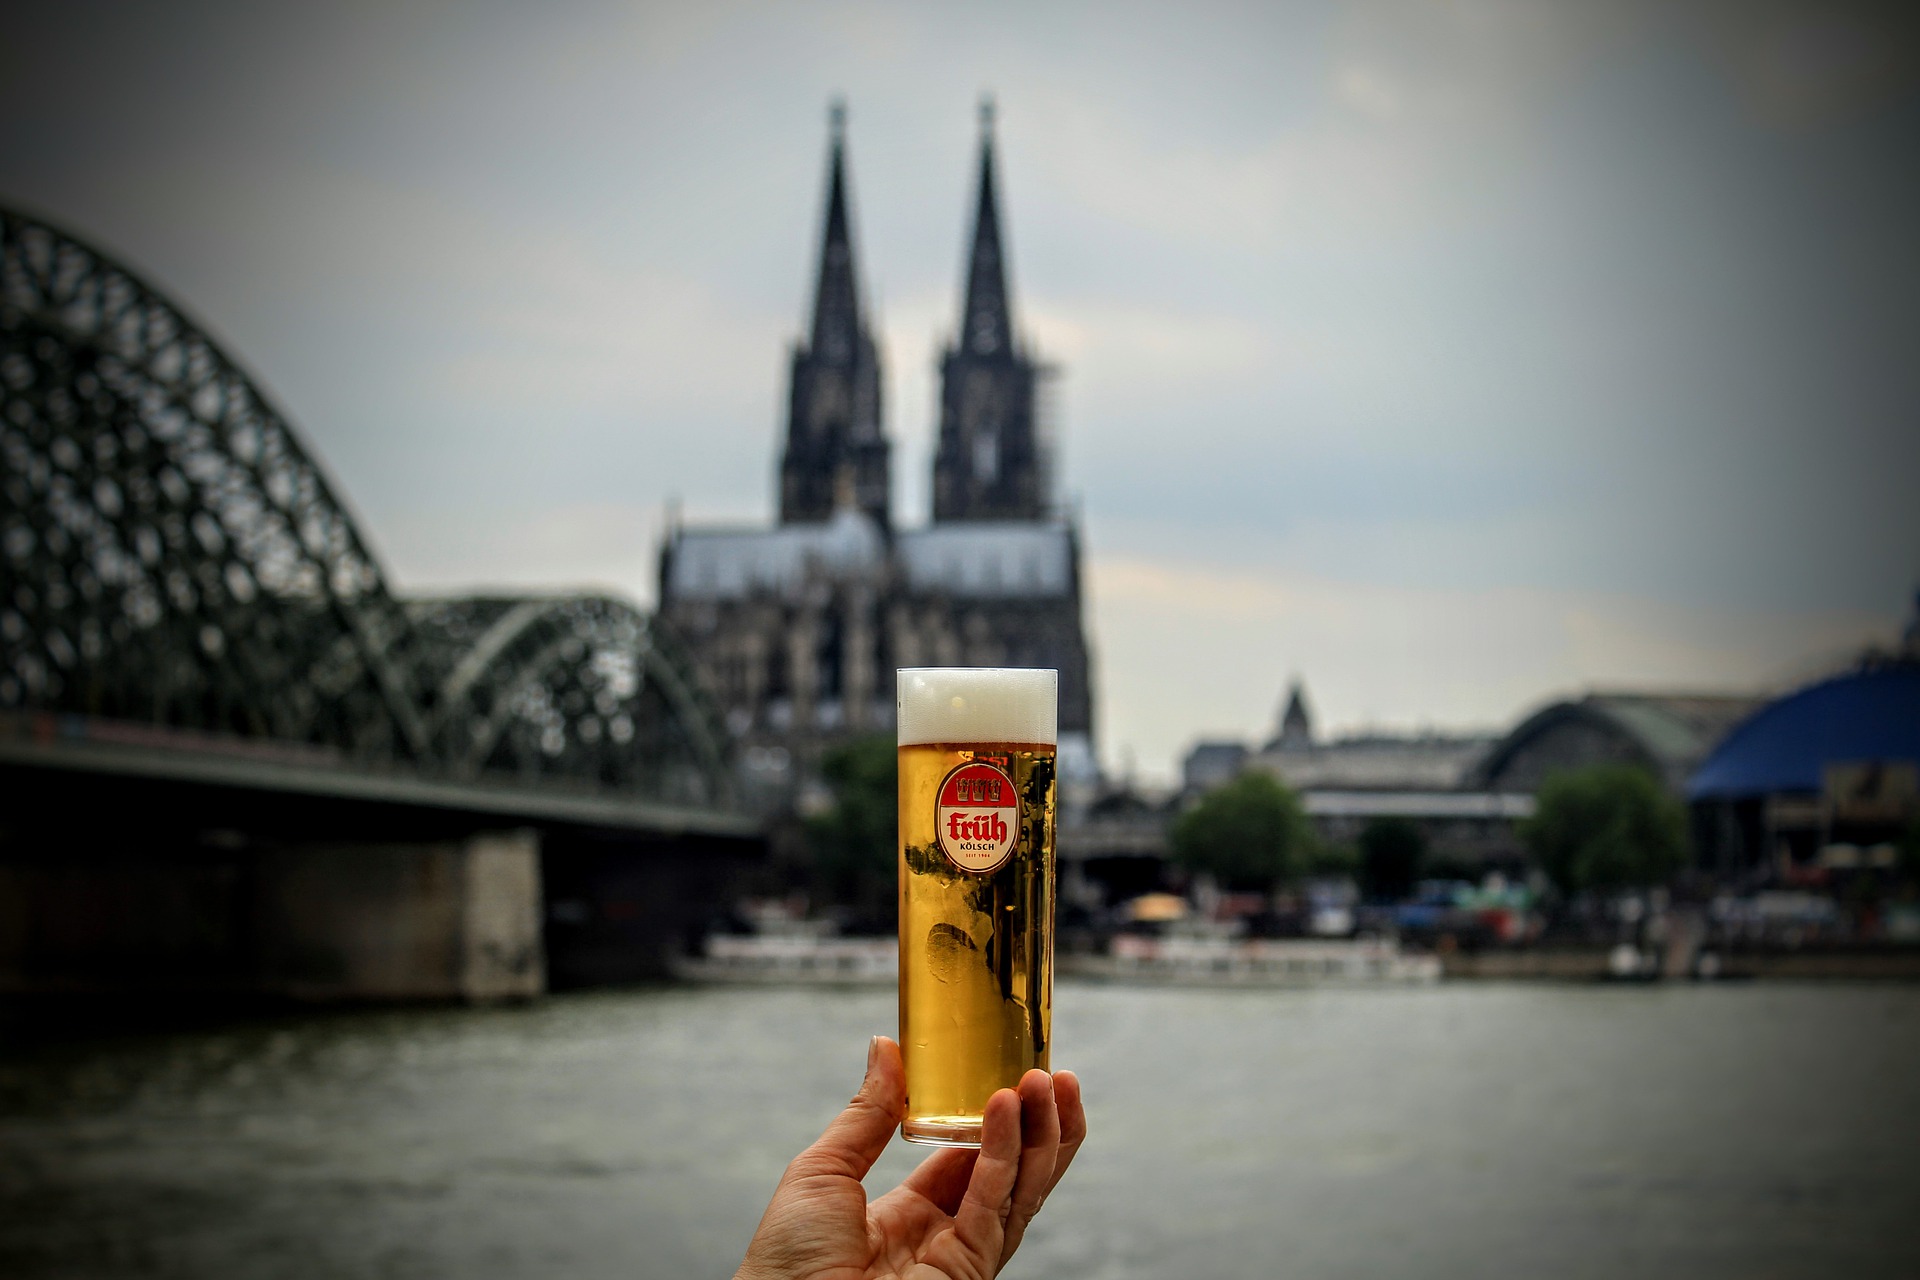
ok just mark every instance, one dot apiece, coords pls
pixel 959 1216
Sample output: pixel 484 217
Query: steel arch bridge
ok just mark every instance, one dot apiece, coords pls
pixel 170 554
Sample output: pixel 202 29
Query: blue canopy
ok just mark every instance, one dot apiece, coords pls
pixel 1867 715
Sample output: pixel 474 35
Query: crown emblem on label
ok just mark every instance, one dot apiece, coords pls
pixel 977 817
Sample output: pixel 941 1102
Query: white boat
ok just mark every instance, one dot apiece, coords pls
pixel 808 956
pixel 1252 962
pixel 793 958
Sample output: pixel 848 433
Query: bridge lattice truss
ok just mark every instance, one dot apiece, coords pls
pixel 170 554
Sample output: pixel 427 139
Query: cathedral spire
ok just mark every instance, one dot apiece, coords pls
pixel 991 461
pixel 834 426
pixel 986 323
pixel 836 298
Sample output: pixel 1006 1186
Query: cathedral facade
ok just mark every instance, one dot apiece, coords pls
pixel 798 628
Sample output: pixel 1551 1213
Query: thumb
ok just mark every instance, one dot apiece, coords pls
pixel 860 1133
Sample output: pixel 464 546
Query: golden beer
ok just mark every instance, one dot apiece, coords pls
pixel 977 790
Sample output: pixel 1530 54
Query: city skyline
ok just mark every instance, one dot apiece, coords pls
pixel 1463 361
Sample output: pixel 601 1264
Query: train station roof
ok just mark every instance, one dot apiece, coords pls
pixel 1666 733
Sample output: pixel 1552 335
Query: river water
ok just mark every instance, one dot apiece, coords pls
pixel 1461 1130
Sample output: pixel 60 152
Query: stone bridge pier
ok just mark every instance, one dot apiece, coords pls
pixel 458 918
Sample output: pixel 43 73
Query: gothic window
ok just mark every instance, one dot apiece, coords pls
pixel 777 681
pixel 883 667
pixel 830 666
pixel 986 332
pixel 830 404
pixel 986 457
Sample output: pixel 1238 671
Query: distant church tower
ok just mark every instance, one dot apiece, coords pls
pixel 836 442
pixel 1296 723
pixel 990 463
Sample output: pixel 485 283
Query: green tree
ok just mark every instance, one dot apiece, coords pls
pixel 1249 834
pixel 1324 858
pixel 1392 851
pixel 854 843
pixel 1608 826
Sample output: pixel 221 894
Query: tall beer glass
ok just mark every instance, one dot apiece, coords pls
pixel 976 889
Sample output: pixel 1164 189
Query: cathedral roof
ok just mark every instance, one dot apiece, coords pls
pixel 990 558
pixel 731 563
pixel 978 559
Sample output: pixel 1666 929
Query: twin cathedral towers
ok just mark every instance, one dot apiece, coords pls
pixel 797 629
pixel 991 461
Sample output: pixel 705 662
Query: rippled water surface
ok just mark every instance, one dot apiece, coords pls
pixel 1455 1131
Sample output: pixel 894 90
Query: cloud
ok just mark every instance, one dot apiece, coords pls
pixel 1367 91
pixel 599 547
pixel 1396 338
pixel 1126 346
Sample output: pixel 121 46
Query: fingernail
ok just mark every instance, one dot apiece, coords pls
pixel 873 1053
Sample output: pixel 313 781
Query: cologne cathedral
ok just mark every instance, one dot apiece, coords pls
pixel 797 629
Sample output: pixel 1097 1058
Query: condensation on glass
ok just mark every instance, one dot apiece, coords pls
pixel 977 789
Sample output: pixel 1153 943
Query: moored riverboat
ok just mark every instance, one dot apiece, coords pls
pixel 1252 962
pixel 793 958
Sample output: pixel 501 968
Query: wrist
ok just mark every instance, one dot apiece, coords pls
pixel 752 1270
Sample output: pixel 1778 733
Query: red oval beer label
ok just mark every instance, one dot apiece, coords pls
pixel 977 816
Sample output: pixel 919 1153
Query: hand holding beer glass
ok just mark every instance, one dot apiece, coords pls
pixel 976 1009
pixel 977 749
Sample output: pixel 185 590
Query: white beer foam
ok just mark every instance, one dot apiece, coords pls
pixel 978 704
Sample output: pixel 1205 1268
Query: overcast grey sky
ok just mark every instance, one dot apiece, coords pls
pixel 1450 356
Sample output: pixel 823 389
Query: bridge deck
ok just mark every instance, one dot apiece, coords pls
pixel 80 745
